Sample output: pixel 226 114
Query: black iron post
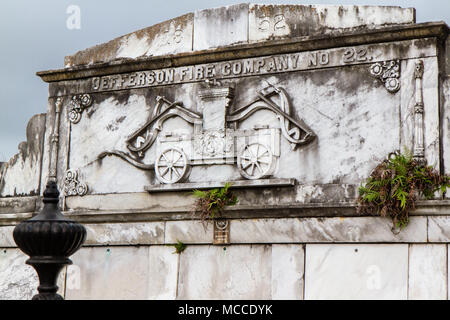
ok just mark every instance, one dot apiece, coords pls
pixel 49 239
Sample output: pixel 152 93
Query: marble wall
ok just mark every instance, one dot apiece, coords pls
pixel 277 271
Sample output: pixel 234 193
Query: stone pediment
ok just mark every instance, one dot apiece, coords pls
pixel 240 24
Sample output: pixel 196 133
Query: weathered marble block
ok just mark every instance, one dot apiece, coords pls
pixel 279 21
pixel 427 277
pixel 220 27
pixel 356 271
pixel 20 176
pixel 446 122
pixel 143 233
pixel 167 37
pixel 6 237
pixel 310 230
pixel 19 281
pixel 287 271
pixel 188 232
pixel 215 272
pixel 109 273
pixel 439 229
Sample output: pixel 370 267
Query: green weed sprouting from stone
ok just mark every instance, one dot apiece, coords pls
pixel 393 187
pixel 179 246
pixel 210 204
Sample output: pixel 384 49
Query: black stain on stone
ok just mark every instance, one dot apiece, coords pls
pixel 120 119
pixel 123 97
pixel 352 78
pixel 319 77
pixel 422 43
pixel 351 107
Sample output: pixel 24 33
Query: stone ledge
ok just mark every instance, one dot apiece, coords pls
pixel 209 185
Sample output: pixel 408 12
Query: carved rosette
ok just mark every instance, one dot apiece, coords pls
pixel 212 143
pixel 388 72
pixel 72 186
pixel 78 103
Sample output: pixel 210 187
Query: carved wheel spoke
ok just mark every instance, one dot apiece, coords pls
pixel 255 161
pixel 178 165
pixel 259 167
pixel 171 165
pixel 164 171
pixel 246 166
pixel 263 161
pixel 178 156
pixel 176 172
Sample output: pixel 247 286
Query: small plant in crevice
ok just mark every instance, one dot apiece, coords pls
pixel 179 246
pixel 394 185
pixel 211 203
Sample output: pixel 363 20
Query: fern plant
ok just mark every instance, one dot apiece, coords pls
pixel 393 187
pixel 211 203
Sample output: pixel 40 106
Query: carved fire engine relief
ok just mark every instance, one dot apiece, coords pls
pixel 216 138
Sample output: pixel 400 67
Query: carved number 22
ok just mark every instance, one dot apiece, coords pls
pixel 352 55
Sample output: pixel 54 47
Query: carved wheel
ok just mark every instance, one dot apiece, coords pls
pixel 255 161
pixel 171 165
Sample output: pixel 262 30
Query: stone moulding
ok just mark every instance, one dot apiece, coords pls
pixel 72 186
pixel 389 73
pixel 77 105
pixel 210 185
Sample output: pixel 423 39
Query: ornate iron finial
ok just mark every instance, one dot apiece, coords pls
pixel 49 239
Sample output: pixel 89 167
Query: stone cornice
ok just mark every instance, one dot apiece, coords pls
pixel 438 30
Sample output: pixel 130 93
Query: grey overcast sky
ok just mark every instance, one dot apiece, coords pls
pixel 34 37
